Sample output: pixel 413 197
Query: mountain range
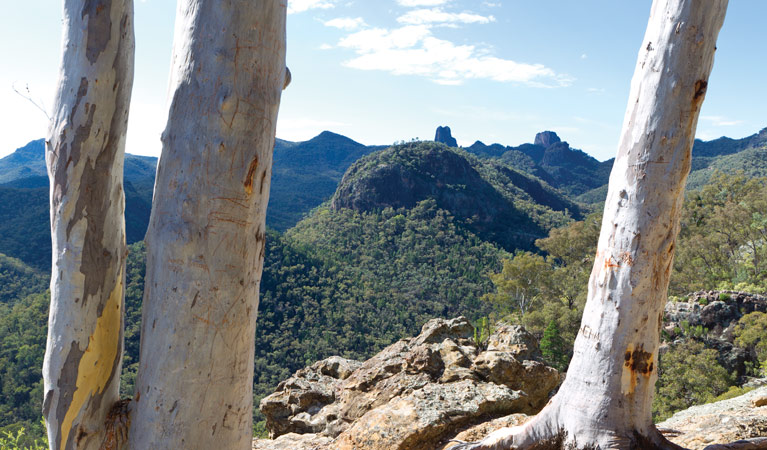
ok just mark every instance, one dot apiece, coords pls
pixel 306 174
pixel 366 242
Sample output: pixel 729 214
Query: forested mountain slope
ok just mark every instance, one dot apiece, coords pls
pixel 305 174
pixel 496 202
pixel 727 155
pixel 552 160
pixel 412 232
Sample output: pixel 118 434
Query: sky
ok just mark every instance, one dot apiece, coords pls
pixel 380 71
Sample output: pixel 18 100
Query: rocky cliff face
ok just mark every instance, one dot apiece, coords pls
pixel 546 139
pixel 444 136
pixel 413 394
pixel 490 199
pixel 716 313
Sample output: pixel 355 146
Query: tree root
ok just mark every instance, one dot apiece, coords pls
pixel 546 432
pixel 519 438
pixel 745 444
pixel 116 425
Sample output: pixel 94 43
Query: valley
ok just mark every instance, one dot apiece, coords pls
pixel 368 243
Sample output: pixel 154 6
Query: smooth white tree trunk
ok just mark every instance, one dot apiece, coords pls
pixel 205 243
pixel 84 155
pixel 605 401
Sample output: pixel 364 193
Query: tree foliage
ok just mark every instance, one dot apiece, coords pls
pixel 554 287
pixel 689 374
pixel 723 239
pixel 751 334
pixel 553 347
pixel 18 280
pixel 521 284
pixel 22 344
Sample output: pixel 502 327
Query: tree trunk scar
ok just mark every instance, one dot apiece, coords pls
pixel 636 362
pixel 97 364
pixel 263 180
pixel 588 333
pixel 609 264
pixel 700 90
pixel 116 426
pixel 626 258
pixel 249 177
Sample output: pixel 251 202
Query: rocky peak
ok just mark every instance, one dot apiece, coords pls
pixel 444 136
pixel 546 139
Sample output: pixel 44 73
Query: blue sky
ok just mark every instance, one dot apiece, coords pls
pixel 380 71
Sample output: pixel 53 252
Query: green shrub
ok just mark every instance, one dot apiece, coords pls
pixel 553 346
pixel 750 334
pixel 21 440
pixel 689 374
pixel 725 297
pixel 482 332
pixel 732 392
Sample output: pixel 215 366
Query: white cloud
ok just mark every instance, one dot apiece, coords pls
pixel 297 6
pixel 145 125
pixel 413 50
pixel 415 3
pixel 346 23
pixel 721 121
pixel 438 16
pixel 325 47
pixel 491 4
pixel 380 39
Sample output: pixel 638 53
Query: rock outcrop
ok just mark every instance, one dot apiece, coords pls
pixel 412 394
pixel 546 139
pixel 715 314
pixel 743 417
pixel 444 136
pixel 716 311
pixel 696 428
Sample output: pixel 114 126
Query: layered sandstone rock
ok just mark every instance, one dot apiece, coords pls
pixel 412 394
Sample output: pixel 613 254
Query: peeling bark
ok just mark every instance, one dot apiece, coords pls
pixel 205 243
pixel 606 399
pixel 84 155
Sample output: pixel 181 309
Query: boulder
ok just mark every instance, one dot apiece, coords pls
pixel 696 428
pixel 295 441
pixel 516 340
pixel 479 432
pixel 414 392
pixel 418 420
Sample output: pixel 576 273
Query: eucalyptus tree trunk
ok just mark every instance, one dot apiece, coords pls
pixel 85 149
pixel 205 243
pixel 606 399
